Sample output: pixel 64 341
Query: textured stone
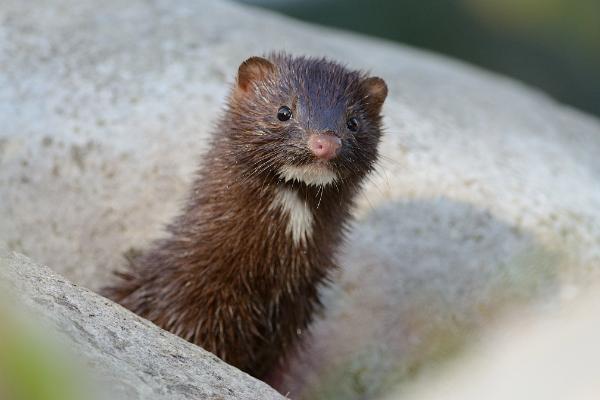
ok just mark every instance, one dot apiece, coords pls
pixel 487 194
pixel 132 357
pixel 550 355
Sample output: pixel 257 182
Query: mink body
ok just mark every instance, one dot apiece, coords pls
pixel 240 269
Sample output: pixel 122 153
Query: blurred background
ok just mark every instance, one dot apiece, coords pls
pixel 551 44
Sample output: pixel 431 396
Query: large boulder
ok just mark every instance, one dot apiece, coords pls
pixel 549 354
pixel 487 194
pixel 131 357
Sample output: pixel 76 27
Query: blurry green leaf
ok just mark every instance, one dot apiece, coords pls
pixel 29 368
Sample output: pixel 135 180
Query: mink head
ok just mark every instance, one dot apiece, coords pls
pixel 305 120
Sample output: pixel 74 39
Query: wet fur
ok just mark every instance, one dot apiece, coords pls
pixel 228 276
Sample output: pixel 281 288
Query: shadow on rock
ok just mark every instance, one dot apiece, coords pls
pixel 418 280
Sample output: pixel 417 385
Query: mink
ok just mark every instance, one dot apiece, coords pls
pixel 240 268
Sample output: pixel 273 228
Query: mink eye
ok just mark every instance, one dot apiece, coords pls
pixel 352 124
pixel 284 113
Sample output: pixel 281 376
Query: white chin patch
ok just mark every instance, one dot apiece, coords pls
pixel 315 175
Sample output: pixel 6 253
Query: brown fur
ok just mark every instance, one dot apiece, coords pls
pixel 229 277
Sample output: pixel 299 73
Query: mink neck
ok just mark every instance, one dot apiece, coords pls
pixel 322 200
pixel 329 204
pixel 248 219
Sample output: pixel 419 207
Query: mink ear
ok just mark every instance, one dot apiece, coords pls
pixel 376 91
pixel 253 69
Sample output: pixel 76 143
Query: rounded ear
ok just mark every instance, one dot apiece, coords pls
pixel 376 91
pixel 252 70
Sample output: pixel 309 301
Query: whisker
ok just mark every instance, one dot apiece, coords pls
pixel 320 190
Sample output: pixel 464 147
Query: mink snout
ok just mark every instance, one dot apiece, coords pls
pixel 324 146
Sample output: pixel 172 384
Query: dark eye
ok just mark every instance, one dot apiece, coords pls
pixel 284 113
pixel 352 124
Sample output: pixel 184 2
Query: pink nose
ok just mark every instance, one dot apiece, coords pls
pixel 323 146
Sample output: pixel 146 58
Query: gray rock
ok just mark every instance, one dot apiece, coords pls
pixel 132 357
pixel 549 355
pixel 487 195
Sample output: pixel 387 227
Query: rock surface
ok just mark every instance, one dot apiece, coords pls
pixel 487 196
pixel 552 355
pixel 134 358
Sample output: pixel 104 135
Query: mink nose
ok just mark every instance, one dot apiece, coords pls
pixel 324 145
